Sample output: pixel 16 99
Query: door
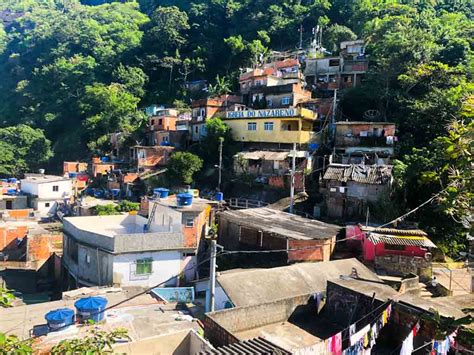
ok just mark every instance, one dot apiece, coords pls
pixel 9 204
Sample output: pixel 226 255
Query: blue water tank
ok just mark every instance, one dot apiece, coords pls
pixel 115 192
pixel 11 192
pixel 185 199
pixel 161 192
pixel 4 180
pixel 313 146
pixel 219 196
pixel 59 319
pixel 12 181
pixel 73 175
pixel 104 159
pixel 99 193
pixel 91 308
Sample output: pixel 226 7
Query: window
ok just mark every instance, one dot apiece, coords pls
pixel 269 103
pixel 268 126
pixel 46 204
pixel 144 266
pixel 160 122
pixel 152 122
pixel 9 204
pixel 252 126
pixel 189 222
pixel 285 101
pixel 56 188
pixel 88 258
pixel 333 62
pixel 196 129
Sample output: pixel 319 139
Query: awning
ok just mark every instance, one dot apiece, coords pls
pixel 401 240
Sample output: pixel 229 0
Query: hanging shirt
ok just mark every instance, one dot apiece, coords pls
pixel 335 344
pixel 359 335
pixel 407 345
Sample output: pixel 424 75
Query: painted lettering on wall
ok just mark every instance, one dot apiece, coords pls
pixel 278 112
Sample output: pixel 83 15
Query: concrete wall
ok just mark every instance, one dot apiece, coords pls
pixel 403 265
pixel 220 326
pixel 240 132
pixel 347 306
pixel 165 265
pixel 17 202
pixel 98 267
pixel 44 190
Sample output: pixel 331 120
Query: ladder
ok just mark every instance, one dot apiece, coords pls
pixel 151 217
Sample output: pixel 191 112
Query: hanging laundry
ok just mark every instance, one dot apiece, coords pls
pixel 359 335
pixel 352 329
pixel 407 345
pixel 335 344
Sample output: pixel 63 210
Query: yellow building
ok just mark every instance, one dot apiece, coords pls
pixel 286 125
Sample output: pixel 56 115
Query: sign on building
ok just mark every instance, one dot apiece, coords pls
pixel 278 112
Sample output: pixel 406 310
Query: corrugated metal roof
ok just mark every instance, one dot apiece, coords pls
pixel 394 231
pixel 364 174
pixel 248 347
pixel 401 240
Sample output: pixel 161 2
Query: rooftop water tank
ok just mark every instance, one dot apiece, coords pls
pixel 59 319
pixel 194 192
pixel 12 181
pixel 99 193
pixel 161 192
pixel 11 192
pixel 73 175
pixel 115 192
pixel 219 196
pixel 91 308
pixel 183 200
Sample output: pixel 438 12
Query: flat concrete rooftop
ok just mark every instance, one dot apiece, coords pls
pixel 282 223
pixel 109 226
pixel 144 317
pixel 198 205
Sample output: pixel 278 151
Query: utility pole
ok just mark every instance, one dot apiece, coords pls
pixel 301 36
pixel 212 276
pixel 367 217
pixel 292 178
pixel 221 141
pixel 334 103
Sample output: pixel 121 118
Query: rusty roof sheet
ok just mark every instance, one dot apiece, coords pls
pixel 401 240
pixel 364 174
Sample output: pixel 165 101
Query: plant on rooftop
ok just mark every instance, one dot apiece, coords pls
pixel 11 344
pixel 99 342
pixel 128 206
pixel 6 298
pixel 106 210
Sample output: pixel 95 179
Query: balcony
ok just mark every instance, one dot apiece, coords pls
pixel 351 66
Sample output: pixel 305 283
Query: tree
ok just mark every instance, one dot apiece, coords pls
pixel 11 344
pixel 22 149
pixel 128 206
pixel 335 34
pixel 182 166
pixel 221 87
pixel 6 298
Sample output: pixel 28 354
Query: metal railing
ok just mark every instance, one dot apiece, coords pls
pixel 242 203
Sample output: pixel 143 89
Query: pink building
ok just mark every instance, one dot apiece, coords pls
pixel 381 242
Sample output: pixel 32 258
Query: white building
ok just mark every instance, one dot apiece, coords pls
pixel 46 192
pixel 115 250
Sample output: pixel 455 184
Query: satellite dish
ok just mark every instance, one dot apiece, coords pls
pixel 372 114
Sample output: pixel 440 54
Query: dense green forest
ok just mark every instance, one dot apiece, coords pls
pixel 72 72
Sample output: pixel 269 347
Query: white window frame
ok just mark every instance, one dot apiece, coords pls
pixel 55 188
pixel 189 223
pixel 268 126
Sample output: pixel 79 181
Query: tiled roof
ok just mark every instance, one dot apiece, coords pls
pixel 401 240
pixel 255 346
pixel 364 174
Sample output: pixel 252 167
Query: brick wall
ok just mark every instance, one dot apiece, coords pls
pixel 40 247
pixel 314 250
